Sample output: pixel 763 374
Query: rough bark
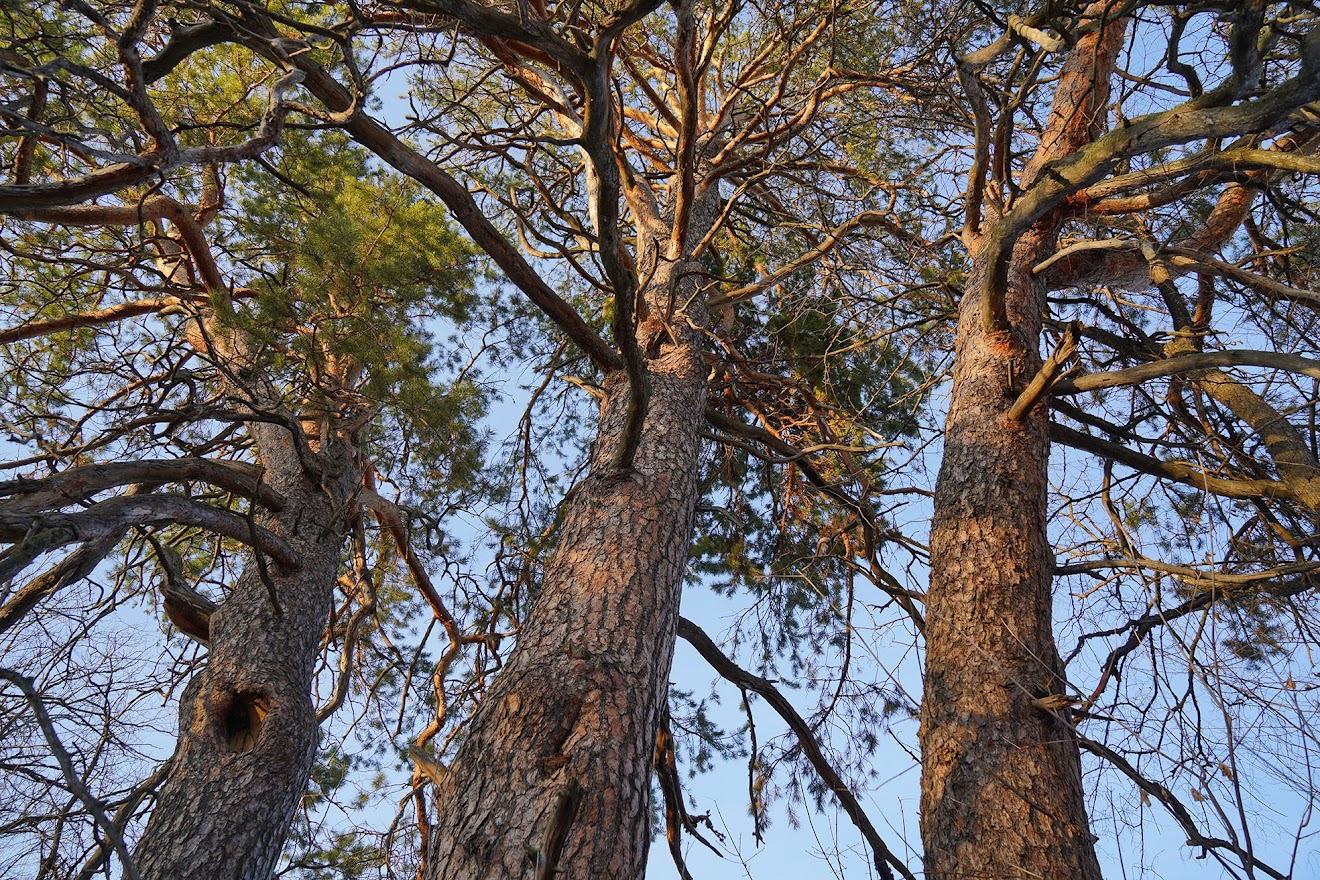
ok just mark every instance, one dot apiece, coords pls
pixel 1001 775
pixel 247 728
pixel 1001 778
pixel 579 702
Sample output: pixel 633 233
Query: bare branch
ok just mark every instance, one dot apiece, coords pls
pixel 885 860
pixel 1175 807
pixel 49 531
pixel 71 778
pixel 1187 363
pixel 1177 471
pixel 74 567
pixel 76 484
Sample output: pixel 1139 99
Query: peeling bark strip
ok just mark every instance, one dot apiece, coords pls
pixel 1001 793
pixel 556 830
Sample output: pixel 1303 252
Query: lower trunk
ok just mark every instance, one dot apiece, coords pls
pixel 247 728
pixel 555 773
pixel 1001 774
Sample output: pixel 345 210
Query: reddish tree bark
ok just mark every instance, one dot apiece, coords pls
pixel 578 705
pixel 1001 775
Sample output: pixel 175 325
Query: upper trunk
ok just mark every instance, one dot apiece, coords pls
pixel 1001 773
pixel 247 728
pixel 1001 777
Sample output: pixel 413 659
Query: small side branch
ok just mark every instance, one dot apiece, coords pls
pixel 1024 29
pixel 981 153
pixel 262 569
pixel 886 863
pixel 676 817
pixel 1046 376
pixel 1181 472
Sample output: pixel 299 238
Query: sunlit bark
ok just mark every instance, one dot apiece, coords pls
pixel 1001 776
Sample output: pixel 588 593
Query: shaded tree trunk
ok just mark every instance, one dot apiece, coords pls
pixel 578 704
pixel 1001 774
pixel 247 727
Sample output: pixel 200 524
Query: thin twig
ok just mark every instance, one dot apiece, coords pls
pixel 71 778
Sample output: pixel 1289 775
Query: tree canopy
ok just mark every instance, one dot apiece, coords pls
pixel 387 386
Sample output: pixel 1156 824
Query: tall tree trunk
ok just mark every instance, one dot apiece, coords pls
pixel 1001 777
pixel 247 728
pixel 1001 774
pixel 572 718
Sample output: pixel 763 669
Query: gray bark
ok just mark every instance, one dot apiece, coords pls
pixel 247 728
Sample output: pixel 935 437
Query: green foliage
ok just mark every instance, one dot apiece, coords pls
pixel 699 737
pixel 357 274
pixel 764 528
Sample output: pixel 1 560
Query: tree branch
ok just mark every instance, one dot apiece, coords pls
pixel 107 315
pixel 465 211
pixel 832 239
pixel 883 856
pixel 43 532
pixel 1191 121
pixel 149 166
pixel 76 484
pixel 1186 363
pixel 1175 807
pixel 71 778
pixel 1177 471
pixel 1045 378
pixel 72 568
